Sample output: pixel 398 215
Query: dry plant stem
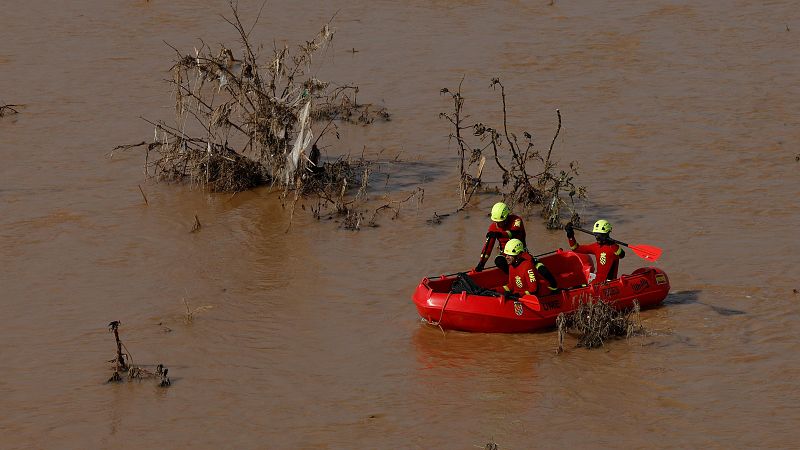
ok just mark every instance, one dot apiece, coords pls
pixel 291 210
pixel 550 188
pixel 146 203
pixel 394 205
pixel 561 322
pixel 553 142
pixel 119 362
pixel 162 372
pixel 196 227
pixel 467 184
pixel 190 313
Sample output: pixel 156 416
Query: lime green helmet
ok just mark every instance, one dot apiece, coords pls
pixel 500 212
pixel 514 247
pixel 602 226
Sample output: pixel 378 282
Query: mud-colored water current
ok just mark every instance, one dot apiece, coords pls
pixel 684 116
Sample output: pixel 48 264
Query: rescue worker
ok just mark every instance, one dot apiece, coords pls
pixel 526 275
pixel 606 252
pixel 504 226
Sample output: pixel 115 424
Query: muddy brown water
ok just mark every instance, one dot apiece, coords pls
pixel 683 115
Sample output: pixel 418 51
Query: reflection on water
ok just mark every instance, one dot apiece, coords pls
pixel 691 297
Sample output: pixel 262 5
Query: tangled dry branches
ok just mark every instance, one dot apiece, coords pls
pixel 7 110
pixel 596 321
pixel 242 120
pixel 529 177
pixel 123 364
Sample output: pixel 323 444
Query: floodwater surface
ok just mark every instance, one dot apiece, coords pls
pixel 684 117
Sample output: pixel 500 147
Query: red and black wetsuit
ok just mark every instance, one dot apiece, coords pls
pixel 511 228
pixel 606 257
pixel 529 277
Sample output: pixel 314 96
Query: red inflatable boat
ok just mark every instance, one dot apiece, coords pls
pixel 466 312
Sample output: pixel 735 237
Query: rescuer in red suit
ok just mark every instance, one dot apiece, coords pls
pixel 606 253
pixel 504 226
pixel 526 275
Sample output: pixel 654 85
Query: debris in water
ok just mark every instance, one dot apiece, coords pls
pixel 529 177
pixel 116 378
pixel 795 291
pixel 7 110
pixel 191 312
pixel 250 123
pixel 196 227
pixel 119 361
pixel 132 371
pixel 352 220
pixel 146 203
pixel 491 445
pixel 597 321
pixel 436 219
pixel 162 372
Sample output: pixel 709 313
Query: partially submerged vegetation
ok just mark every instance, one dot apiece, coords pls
pixel 243 121
pixel 530 177
pixel 191 312
pixel 123 364
pixel 8 110
pixel 596 321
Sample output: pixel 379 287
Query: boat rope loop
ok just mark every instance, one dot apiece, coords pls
pixel 441 314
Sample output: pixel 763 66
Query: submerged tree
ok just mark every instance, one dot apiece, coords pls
pixel 529 177
pixel 243 121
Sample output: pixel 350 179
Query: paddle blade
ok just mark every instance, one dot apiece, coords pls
pixel 647 252
pixel 530 302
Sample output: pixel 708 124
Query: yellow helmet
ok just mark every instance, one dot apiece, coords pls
pixel 500 211
pixel 602 226
pixel 514 247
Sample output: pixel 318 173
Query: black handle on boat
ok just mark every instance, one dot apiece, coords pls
pixel 487 268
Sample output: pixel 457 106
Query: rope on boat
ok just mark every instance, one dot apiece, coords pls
pixel 446 299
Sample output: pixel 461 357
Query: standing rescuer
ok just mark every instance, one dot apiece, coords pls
pixel 606 253
pixel 504 226
pixel 526 275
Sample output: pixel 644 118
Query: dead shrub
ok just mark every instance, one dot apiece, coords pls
pixel 242 120
pixel 529 177
pixel 597 321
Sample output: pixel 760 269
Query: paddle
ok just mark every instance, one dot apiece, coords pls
pixel 534 305
pixel 643 251
pixel 490 267
pixel 486 250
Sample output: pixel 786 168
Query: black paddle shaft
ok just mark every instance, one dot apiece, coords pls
pixel 610 239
